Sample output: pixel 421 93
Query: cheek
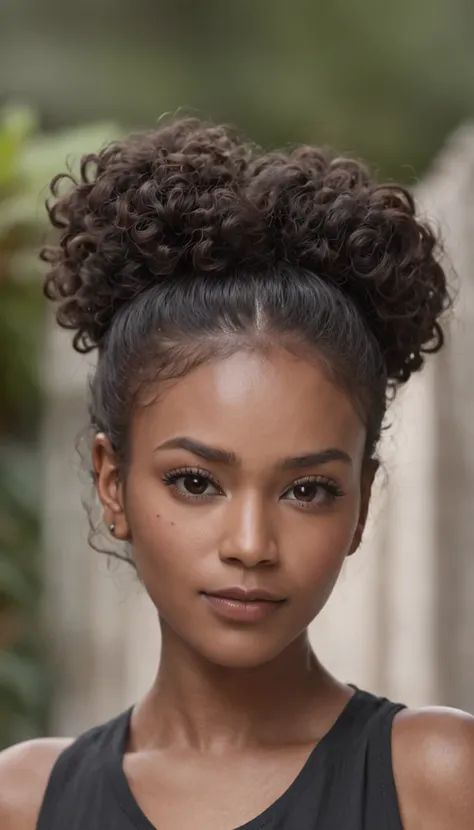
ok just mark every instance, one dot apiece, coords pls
pixel 317 549
pixel 169 538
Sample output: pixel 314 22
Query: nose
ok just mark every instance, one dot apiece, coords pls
pixel 249 537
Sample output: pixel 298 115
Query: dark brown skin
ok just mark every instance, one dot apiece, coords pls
pixel 237 707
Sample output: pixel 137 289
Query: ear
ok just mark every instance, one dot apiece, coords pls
pixel 369 471
pixel 110 486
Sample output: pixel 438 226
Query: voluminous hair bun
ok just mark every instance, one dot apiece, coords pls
pixel 192 198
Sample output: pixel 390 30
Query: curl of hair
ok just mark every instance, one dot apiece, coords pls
pixel 196 198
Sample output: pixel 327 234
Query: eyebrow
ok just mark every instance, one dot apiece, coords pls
pixel 217 455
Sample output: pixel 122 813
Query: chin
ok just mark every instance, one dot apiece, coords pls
pixel 241 652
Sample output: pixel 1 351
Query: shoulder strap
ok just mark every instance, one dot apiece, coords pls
pixel 382 799
pixel 77 772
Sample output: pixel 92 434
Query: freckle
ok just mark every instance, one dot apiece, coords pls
pixel 172 523
pixel 157 515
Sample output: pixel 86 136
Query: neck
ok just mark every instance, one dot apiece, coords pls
pixel 201 705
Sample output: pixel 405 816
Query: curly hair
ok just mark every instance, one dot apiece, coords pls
pixel 199 231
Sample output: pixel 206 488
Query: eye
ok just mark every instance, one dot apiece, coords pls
pixel 313 492
pixel 192 483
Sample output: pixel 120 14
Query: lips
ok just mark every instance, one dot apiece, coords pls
pixel 243 605
pixel 246 595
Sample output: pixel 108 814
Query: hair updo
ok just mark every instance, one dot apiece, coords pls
pixel 187 243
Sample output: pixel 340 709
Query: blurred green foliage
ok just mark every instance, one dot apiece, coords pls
pixel 28 160
pixel 23 682
pixel 388 81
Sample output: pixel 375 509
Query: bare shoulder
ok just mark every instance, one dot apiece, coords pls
pixel 433 763
pixel 24 773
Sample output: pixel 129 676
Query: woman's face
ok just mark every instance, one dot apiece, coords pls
pixel 245 492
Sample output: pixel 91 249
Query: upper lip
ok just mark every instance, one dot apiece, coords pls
pixel 246 594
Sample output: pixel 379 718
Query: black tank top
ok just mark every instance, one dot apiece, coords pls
pixel 346 784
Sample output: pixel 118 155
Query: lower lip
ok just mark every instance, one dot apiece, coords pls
pixel 247 612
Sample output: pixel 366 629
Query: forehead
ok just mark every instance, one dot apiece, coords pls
pixel 259 405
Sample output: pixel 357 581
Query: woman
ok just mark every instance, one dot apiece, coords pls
pixel 252 315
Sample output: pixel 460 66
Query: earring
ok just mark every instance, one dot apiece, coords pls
pixel 112 528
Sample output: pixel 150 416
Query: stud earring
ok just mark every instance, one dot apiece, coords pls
pixel 112 528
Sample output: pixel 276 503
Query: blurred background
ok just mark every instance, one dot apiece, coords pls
pixel 393 83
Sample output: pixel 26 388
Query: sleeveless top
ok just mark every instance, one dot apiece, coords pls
pixel 346 784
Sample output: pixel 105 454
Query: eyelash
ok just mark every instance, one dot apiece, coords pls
pixel 173 476
pixel 332 489
pixel 170 479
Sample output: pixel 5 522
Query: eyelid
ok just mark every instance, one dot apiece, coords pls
pixel 190 471
pixel 315 478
